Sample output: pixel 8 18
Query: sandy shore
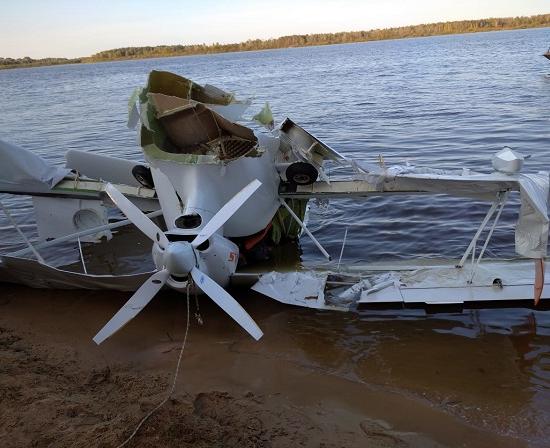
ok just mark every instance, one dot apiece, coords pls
pixel 58 389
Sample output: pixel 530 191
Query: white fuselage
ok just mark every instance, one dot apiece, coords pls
pixel 205 187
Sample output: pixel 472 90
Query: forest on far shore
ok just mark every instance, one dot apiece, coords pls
pixel 300 40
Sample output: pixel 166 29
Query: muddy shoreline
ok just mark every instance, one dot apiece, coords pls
pixel 58 389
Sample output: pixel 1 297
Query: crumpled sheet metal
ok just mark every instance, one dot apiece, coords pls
pixel 36 275
pixel 24 171
pixel 158 132
pixel 532 226
pixel 194 128
pixel 304 289
pixel 305 145
pixel 491 281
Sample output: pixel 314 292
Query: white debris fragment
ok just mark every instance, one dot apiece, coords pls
pixel 353 292
pixel 305 289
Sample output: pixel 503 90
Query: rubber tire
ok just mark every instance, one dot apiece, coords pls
pixel 301 173
pixel 143 175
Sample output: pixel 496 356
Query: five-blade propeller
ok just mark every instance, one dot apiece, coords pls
pixel 182 256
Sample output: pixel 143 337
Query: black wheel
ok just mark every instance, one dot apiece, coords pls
pixel 301 173
pixel 143 175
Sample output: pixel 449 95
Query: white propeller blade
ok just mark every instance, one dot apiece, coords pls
pixel 226 212
pixel 227 303
pixel 131 308
pixel 135 215
pixel 168 198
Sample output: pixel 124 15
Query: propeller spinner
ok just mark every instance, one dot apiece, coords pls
pixel 179 259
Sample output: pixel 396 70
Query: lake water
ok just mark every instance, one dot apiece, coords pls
pixel 445 102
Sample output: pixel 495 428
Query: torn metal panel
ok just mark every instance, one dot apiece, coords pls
pixel 294 288
pixel 133 108
pixel 23 171
pixel 492 281
pixel 531 235
pixel 193 128
pixel 306 146
pixel 265 117
pixel 36 275
pixel 186 123
pixel 175 85
pixel 431 285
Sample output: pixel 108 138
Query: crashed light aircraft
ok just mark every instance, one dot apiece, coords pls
pixel 212 189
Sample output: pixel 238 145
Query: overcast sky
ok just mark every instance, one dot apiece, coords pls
pixel 70 28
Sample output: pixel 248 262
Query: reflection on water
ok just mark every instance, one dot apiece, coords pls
pixel 489 367
pixel 445 101
pixel 522 338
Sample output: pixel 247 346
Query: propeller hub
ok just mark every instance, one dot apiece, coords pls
pixel 179 258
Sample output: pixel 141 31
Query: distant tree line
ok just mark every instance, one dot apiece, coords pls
pixel 301 40
pixel 29 62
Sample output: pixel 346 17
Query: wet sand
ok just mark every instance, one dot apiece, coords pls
pixel 309 382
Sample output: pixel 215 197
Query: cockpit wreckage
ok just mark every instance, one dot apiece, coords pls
pixel 211 189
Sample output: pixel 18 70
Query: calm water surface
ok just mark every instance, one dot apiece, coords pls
pixel 446 102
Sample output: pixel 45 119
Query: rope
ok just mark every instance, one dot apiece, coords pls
pixel 172 387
